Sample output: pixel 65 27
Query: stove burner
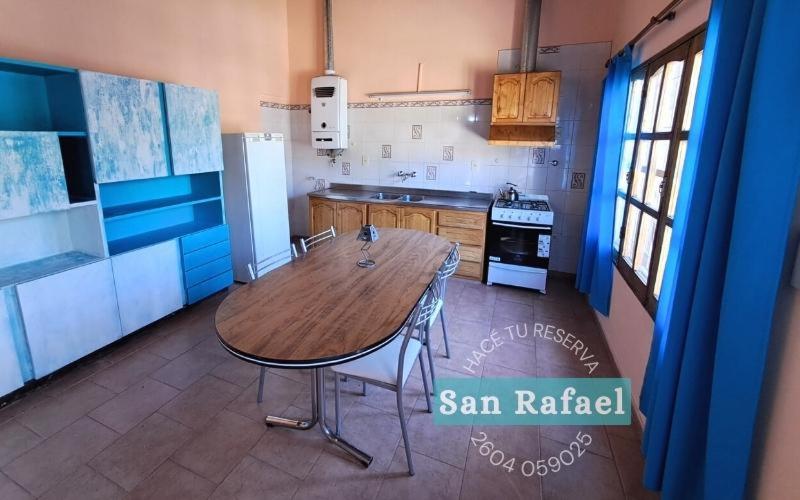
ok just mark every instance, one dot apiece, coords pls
pixel 539 205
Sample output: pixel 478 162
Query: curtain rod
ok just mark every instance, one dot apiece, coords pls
pixel 666 14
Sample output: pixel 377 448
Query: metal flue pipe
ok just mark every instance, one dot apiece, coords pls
pixel 530 35
pixel 327 27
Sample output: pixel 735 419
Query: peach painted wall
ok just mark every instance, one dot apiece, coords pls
pixel 378 44
pixel 237 47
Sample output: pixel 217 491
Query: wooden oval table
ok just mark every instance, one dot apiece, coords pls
pixel 322 309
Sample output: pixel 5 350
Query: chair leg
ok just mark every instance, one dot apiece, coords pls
pixel 336 391
pixel 425 383
pixel 430 357
pixel 402 415
pixel 363 388
pixel 261 377
pixel 444 333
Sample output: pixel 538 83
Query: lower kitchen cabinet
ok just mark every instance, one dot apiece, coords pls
pixel 69 315
pixel 469 229
pixel 384 215
pixel 350 217
pixel 11 377
pixel 420 219
pixel 321 215
pixel 149 284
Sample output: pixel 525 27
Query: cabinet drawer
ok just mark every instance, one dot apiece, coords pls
pixel 208 287
pixel 472 220
pixel 462 235
pixel 196 241
pixel 471 253
pixel 469 270
pixel 206 255
pixel 207 271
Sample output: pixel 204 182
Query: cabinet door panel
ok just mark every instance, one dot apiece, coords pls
pixel 322 215
pixel 126 127
pixel 69 315
pixel 31 174
pixel 384 216
pixel 148 284
pixel 507 98
pixel 350 217
pixel 420 219
pixel 194 130
pixel 10 370
pixel 541 97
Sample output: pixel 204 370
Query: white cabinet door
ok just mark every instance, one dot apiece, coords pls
pixel 149 284
pixel 69 315
pixel 10 372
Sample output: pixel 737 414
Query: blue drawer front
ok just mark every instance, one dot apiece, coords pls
pixel 206 255
pixel 209 287
pixel 205 238
pixel 207 271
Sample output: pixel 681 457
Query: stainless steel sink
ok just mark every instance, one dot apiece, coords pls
pixel 410 197
pixel 383 196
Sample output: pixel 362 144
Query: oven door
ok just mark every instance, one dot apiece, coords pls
pixel 519 244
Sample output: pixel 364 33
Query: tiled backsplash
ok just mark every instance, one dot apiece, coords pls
pixel 447 148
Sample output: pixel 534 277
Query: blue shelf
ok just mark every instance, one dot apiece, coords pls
pixel 136 209
pixel 157 236
pixel 71 133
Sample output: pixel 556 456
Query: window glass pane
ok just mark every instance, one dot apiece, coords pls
pixel 644 250
pixel 625 166
pixel 655 175
pixel 618 213
pixel 676 179
pixel 640 170
pixel 631 228
pixel 687 115
pixel 669 96
pixel 634 103
pixel 653 87
pixel 662 260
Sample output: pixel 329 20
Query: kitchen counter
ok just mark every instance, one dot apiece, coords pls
pixel 451 200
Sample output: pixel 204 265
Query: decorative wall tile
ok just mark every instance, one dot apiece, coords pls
pixel 386 151
pixel 578 180
pixel 430 172
pixel 322 152
pixel 416 131
pixel 125 125
pixel 345 168
pixel 553 49
pixel 537 156
pixel 194 130
pixel 31 174
pixel 448 153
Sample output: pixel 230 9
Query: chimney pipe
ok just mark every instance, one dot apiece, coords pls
pixel 530 35
pixel 328 30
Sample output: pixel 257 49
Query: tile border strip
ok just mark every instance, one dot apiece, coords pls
pixel 387 104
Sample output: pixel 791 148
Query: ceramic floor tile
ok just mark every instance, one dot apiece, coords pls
pixel 9 490
pixel 138 453
pixel 519 357
pixel 52 416
pixel 220 446
pixel 189 367
pixel 254 479
pixel 467 311
pixel 373 431
pixel 630 464
pixel 85 484
pixel 199 403
pixel 172 481
pixel 588 476
pixel 279 393
pixel 432 479
pixel 292 451
pixel 466 332
pixel 513 294
pixel 126 410
pixel 513 311
pixel 337 476
pixel 15 439
pixel 129 371
pixel 566 434
pixel 236 372
pixel 177 343
pixel 59 456
pixel 464 358
pixel 444 443
pixel 28 400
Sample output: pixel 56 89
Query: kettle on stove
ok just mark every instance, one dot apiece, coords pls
pixel 511 194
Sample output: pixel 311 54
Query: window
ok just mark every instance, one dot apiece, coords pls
pixel 660 106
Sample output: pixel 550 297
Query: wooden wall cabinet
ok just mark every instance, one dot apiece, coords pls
pixel 350 217
pixel 526 98
pixel 384 215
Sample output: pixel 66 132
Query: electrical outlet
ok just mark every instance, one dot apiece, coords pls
pixel 364 160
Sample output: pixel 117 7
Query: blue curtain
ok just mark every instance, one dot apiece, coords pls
pixel 595 267
pixel 737 197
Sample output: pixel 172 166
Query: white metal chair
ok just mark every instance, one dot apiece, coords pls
pixel 390 366
pixel 448 269
pixel 312 241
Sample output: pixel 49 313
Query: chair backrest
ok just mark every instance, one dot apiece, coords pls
pixel 448 269
pixel 312 241
pixel 422 312
pixel 292 250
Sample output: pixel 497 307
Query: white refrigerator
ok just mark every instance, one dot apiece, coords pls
pixel 256 205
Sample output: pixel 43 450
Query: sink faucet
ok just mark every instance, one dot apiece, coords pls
pixel 405 175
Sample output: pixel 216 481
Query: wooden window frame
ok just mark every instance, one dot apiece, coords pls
pixel 685 50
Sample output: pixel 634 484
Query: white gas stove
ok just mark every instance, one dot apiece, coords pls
pixel 518 243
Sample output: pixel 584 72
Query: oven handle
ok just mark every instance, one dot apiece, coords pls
pixel 521 227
